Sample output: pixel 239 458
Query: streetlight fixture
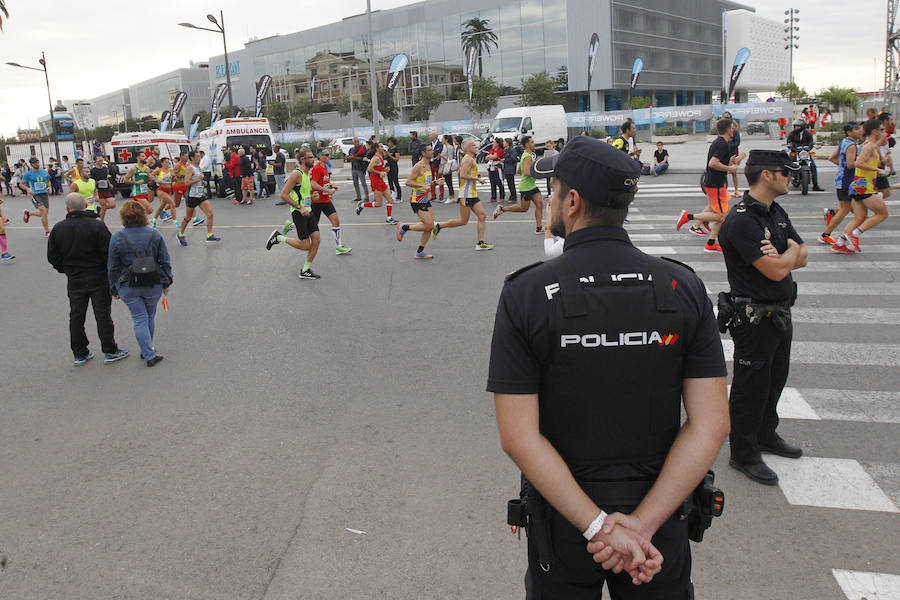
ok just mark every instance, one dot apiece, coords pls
pixel 43 61
pixel 350 70
pixel 220 28
pixel 792 36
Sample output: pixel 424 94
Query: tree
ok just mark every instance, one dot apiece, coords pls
pixel 790 90
pixel 485 93
pixel 302 114
pixel 537 90
pixel 342 105
pixel 479 36
pixel 640 102
pixel 389 112
pixel 279 113
pixel 562 78
pixel 836 98
pixel 426 101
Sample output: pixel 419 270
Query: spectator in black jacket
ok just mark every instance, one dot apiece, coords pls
pixel 78 247
pixel 415 147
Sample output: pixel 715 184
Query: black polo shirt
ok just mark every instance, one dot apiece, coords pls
pixel 747 224
pixel 522 339
pixel 713 177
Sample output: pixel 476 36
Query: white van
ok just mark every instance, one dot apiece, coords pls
pixel 228 133
pixel 542 123
pixel 125 147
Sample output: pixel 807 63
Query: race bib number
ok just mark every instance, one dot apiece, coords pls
pixel 103 183
pixel 197 192
pixel 39 187
pixel 144 188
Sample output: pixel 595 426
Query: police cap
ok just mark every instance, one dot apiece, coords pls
pixel 771 158
pixel 592 167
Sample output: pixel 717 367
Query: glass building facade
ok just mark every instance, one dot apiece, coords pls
pixel 516 40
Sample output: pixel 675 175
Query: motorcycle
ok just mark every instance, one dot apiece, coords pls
pixel 803 156
pixel 484 146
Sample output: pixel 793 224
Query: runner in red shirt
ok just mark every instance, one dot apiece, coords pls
pixel 321 201
pixel 377 170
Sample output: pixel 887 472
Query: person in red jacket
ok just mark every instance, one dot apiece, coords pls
pixel 232 172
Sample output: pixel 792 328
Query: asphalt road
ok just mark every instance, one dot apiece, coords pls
pixel 288 412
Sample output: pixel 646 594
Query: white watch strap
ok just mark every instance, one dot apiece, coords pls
pixel 595 526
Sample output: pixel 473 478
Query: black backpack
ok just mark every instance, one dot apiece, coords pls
pixel 143 270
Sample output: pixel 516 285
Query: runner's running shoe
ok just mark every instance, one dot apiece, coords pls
pixel 826 239
pixel 341 250
pixel 153 222
pixel 273 239
pixel 359 208
pixel 539 231
pixel 6 256
pixel 308 274
pixel 845 249
pixel 391 221
pixel 287 227
pixel 115 356
pixel 829 213
pixel 27 215
pixel 422 255
pixel 400 232
pixel 435 231
pixel 80 362
pixel 853 240
pixel 698 231
pixel 484 246
pixel 683 218
pixel 712 248
pixel 181 239
pixel 212 238
pixel 498 211
pixel 198 221
pixel 46 234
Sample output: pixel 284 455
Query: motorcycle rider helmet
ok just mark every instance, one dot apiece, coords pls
pixel 800 123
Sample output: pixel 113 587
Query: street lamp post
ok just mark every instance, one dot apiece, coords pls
pixel 350 70
pixel 220 28
pixel 43 61
pixel 792 36
pixel 372 85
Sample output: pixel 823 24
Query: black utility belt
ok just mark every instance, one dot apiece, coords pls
pixel 736 311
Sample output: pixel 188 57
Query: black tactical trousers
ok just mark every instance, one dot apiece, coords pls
pixel 762 355
pixel 575 576
pixel 94 289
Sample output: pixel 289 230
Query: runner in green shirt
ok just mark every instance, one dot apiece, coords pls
pixel 528 188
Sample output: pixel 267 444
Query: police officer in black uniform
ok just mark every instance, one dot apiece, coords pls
pixel 761 248
pixel 592 355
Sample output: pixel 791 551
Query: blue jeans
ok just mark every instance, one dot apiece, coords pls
pixel 661 167
pixel 141 303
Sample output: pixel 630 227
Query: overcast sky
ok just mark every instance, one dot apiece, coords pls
pixel 91 52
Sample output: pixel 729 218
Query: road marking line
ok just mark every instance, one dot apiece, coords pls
pixel 828 483
pixel 861 585
pixel 835 353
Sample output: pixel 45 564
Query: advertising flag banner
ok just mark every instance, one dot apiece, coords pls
pixel 218 96
pixel 164 120
pixel 262 88
pixel 471 58
pixel 636 71
pixel 397 65
pixel 195 125
pixel 312 88
pixel 593 47
pixel 740 61
pixel 177 105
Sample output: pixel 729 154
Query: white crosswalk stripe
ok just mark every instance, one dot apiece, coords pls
pixel 859 585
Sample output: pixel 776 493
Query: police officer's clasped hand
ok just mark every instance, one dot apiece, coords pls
pixel 621 546
pixel 767 248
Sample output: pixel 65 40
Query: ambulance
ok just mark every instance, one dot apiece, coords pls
pixel 227 134
pixel 124 149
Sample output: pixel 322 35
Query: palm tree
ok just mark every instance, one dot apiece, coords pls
pixel 4 11
pixel 837 97
pixel 479 36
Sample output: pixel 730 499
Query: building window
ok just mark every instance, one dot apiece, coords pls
pixel 335 86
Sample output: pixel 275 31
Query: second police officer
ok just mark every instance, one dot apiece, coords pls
pixel 761 248
pixel 593 355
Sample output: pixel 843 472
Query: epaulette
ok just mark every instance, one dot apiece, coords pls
pixel 678 262
pixel 518 272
